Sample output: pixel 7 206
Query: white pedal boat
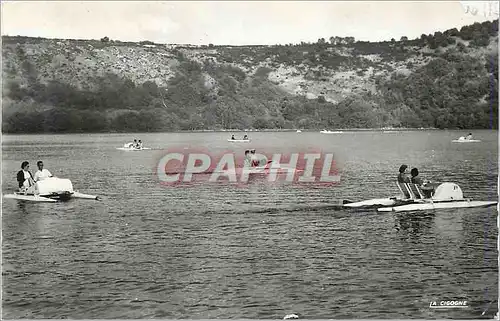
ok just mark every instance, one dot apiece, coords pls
pixel 446 195
pixel 51 189
pixel 465 140
pixel 330 132
pixel 269 168
pixel 130 147
pixel 239 140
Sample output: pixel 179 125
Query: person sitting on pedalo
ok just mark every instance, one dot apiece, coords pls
pixel 41 173
pixel 426 187
pixel 247 161
pixel 403 176
pixel 25 179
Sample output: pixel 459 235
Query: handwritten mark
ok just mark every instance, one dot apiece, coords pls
pixel 488 9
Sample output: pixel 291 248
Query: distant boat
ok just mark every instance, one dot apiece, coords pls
pixel 299 131
pixel 330 132
pixel 461 140
pixel 130 147
pixel 238 140
pixel 245 139
pixel 466 139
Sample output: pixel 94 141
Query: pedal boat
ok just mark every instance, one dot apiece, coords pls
pixel 446 195
pixel 270 168
pixel 463 139
pixel 130 147
pixel 51 189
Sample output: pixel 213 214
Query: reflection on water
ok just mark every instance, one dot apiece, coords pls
pixel 257 251
pixel 413 224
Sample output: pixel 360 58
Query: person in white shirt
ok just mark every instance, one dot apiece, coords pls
pixel 41 173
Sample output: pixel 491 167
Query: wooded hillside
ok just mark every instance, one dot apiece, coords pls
pixel 445 80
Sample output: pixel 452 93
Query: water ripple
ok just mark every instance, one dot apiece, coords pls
pixel 257 251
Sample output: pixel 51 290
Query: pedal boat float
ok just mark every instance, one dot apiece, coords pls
pixel 51 189
pixel 446 195
pixel 270 168
pixel 266 169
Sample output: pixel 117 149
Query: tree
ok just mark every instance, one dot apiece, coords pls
pixel 404 38
pixel 105 39
pixel 350 40
pixel 461 47
pixel 451 32
pixel 261 123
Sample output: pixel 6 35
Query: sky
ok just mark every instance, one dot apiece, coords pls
pixel 238 23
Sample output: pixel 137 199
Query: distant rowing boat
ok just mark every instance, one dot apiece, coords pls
pixel 238 140
pixel 330 132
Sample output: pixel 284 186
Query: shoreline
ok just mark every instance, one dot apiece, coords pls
pixel 344 130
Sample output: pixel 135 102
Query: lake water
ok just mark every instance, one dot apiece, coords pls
pixel 261 251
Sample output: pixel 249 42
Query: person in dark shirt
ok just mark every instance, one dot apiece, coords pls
pixel 24 177
pixel 427 188
pixel 415 179
pixel 247 161
pixel 403 176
